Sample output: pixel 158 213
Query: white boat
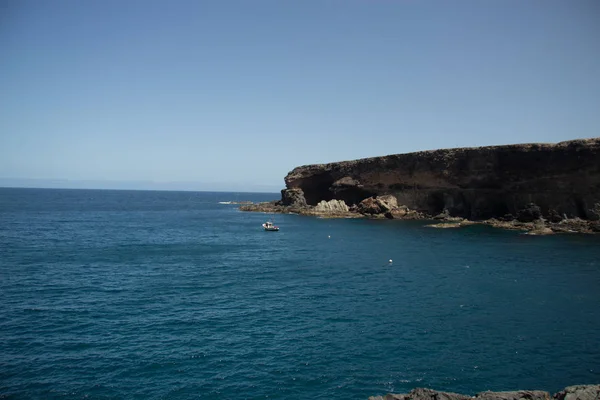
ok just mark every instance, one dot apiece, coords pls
pixel 270 227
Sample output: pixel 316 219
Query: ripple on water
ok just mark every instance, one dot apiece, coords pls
pixel 172 295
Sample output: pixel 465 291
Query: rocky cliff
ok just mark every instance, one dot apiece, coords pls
pixel 552 180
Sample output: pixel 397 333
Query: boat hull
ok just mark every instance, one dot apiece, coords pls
pixel 270 228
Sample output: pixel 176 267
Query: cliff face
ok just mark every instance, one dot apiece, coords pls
pixel 474 183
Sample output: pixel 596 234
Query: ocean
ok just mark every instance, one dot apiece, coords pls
pixel 173 295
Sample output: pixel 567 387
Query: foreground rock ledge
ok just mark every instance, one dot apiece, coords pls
pixel 578 392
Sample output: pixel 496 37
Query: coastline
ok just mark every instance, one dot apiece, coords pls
pixel 538 226
pixel 538 188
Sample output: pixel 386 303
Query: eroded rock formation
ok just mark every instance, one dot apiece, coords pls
pixel 332 206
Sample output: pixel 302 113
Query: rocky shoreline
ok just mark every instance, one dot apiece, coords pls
pixel 528 220
pixel 578 392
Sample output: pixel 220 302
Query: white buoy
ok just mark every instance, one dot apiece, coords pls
pixel 390 261
pixel 329 236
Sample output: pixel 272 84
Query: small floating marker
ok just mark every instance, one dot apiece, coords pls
pixel 329 236
pixel 390 261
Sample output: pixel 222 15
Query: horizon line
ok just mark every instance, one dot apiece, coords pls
pixel 135 190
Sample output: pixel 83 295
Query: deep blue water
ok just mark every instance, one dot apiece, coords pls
pixel 151 295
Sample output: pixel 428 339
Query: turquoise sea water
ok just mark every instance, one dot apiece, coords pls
pixel 151 295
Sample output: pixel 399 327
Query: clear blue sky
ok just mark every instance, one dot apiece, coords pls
pixel 233 94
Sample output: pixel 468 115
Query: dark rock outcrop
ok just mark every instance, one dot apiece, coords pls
pixel 473 183
pixel 580 392
pixel 530 213
pixel 372 206
pixel 554 216
pixel 293 197
pixel 382 206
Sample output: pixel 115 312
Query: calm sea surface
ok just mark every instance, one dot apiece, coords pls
pixel 152 295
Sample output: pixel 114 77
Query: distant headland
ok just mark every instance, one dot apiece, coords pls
pixel 538 188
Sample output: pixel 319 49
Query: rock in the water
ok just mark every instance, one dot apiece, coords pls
pixel 445 225
pixel 579 392
pixel 544 230
pixel 369 206
pixel 378 205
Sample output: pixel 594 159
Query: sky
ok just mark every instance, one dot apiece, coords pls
pixel 233 94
